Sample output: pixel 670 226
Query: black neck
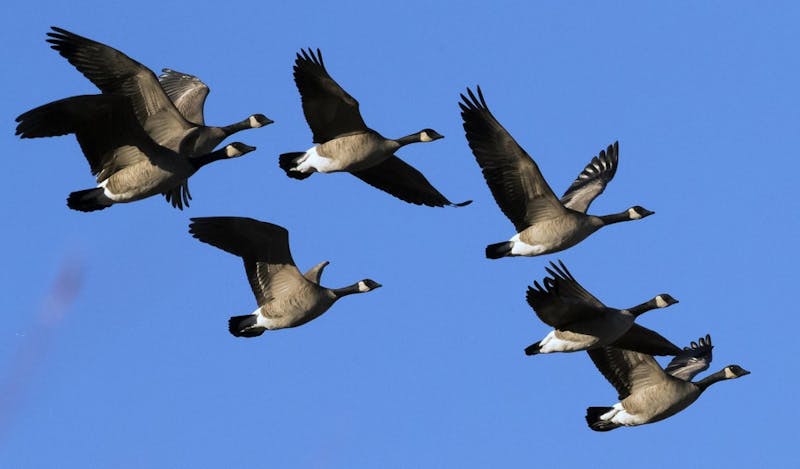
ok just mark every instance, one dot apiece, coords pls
pixel 615 217
pixel 643 308
pixel 233 128
pixel 349 290
pixel 413 138
pixel 711 379
pixel 200 161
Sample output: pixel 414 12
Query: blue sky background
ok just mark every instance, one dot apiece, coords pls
pixel 429 371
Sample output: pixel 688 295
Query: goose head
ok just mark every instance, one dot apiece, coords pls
pixel 734 371
pixel 663 300
pixel 637 212
pixel 429 135
pixel 237 149
pixel 259 120
pixel 368 285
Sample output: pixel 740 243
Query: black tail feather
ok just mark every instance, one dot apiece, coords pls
pixel 532 349
pixel 498 250
pixel 244 326
pixel 595 423
pixel 88 200
pixel 288 161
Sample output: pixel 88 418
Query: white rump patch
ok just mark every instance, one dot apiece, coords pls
pixel 520 248
pixel 551 344
pixel 312 161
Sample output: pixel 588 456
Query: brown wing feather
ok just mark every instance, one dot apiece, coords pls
pixel 187 92
pixel 330 111
pixel 516 183
pixel 115 73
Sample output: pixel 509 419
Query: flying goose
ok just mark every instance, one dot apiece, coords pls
pixel 344 143
pixel 286 298
pixel 544 223
pixel 581 322
pixel 647 393
pixel 115 73
pixel 128 165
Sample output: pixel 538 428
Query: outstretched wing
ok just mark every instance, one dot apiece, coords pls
pixel 401 180
pixel 115 73
pixel 330 111
pixel 263 246
pixel 643 340
pixel 179 196
pixel 627 371
pixel 516 183
pixel 104 125
pixel 694 359
pixel 561 300
pixel 592 180
pixel 187 92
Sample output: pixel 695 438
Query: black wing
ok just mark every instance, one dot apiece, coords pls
pixel 330 111
pixel 562 300
pixel 401 180
pixel 179 196
pixel 104 125
pixel 516 183
pixel 643 340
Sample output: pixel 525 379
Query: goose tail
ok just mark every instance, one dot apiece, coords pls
pixel 597 424
pixel 245 326
pixel 89 200
pixel 532 349
pixel 498 250
pixel 289 161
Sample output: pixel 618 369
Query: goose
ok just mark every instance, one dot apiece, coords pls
pixel 544 224
pixel 344 143
pixel 128 165
pixel 115 73
pixel 286 298
pixel 647 393
pixel 581 322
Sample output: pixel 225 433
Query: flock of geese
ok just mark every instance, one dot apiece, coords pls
pixel 145 135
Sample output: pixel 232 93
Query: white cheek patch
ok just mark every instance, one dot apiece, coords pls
pixel 660 302
pixel 633 214
pixel 231 151
pixel 362 287
pixel 424 137
pixel 729 374
pixel 254 123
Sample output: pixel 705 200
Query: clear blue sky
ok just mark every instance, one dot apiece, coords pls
pixel 429 371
